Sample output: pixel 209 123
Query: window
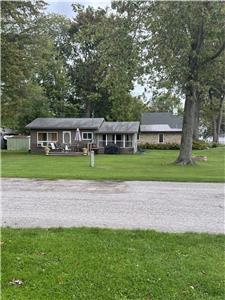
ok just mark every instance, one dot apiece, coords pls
pixel 43 138
pixel 161 138
pixel 119 137
pixel 127 137
pixel 87 136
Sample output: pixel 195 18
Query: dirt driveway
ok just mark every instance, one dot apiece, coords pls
pixel 164 206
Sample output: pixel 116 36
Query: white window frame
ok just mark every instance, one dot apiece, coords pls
pixel 87 132
pixel 162 138
pixel 41 143
pixel 69 134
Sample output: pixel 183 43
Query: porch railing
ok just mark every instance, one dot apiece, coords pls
pixel 128 144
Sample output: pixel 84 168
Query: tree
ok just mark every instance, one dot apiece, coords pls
pixel 212 108
pixel 166 102
pixel 35 80
pixel 52 73
pixel 181 40
pixel 103 62
pixel 20 56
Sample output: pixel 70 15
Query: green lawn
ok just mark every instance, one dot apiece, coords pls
pixel 111 264
pixel 152 165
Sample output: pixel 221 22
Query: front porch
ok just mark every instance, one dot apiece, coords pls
pixel 126 142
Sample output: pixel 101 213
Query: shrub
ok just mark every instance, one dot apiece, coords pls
pixel 200 145
pixel 214 145
pixel 168 146
pixel 112 149
pixel 197 145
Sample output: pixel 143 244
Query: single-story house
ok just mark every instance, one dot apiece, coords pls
pixel 45 131
pixel 160 127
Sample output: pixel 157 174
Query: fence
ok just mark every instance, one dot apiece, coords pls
pixel 17 143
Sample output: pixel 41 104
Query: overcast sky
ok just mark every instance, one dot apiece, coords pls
pixel 64 7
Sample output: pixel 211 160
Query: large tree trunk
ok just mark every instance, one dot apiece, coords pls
pixel 217 121
pixel 88 109
pixel 214 126
pixel 185 156
pixel 196 120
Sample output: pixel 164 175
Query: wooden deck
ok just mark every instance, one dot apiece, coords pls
pixel 68 153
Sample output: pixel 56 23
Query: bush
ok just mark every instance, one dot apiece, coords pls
pixel 168 146
pixel 215 145
pixel 200 145
pixel 112 149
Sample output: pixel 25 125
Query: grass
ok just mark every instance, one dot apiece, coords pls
pixel 153 165
pixel 111 264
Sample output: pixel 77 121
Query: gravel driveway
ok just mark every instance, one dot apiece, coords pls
pixel 164 206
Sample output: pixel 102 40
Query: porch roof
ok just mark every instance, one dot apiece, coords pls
pixel 119 127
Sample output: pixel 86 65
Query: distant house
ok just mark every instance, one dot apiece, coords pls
pixel 6 133
pixel 160 127
pixel 45 131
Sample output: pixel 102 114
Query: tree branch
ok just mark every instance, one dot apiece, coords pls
pixel 221 49
pixel 200 36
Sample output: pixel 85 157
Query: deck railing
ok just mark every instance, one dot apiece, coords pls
pixel 128 144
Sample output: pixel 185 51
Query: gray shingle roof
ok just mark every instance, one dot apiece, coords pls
pixel 158 128
pixel 157 118
pixel 119 127
pixel 65 123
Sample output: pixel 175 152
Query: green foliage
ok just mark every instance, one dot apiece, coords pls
pixel 215 145
pixel 166 102
pixel 20 49
pixel 104 64
pixel 196 145
pixel 200 145
pixel 180 41
pixel 167 146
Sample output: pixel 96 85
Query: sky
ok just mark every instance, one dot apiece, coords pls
pixel 64 7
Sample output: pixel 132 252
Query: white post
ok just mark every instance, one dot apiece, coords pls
pixel 92 159
pixel 115 139
pixel 106 139
pixel 124 141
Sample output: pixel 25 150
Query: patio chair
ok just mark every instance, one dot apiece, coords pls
pixel 53 147
pixel 66 148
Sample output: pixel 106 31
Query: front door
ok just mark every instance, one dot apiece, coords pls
pixel 66 137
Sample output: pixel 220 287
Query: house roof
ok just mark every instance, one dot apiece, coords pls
pixel 162 118
pixel 65 123
pixel 6 130
pixel 119 127
pixel 159 128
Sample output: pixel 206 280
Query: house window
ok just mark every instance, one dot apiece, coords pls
pixel 161 138
pixel 44 138
pixel 119 137
pixel 87 136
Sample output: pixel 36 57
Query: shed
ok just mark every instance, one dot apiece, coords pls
pixel 18 143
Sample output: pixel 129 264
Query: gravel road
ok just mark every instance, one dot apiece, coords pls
pixel 163 206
